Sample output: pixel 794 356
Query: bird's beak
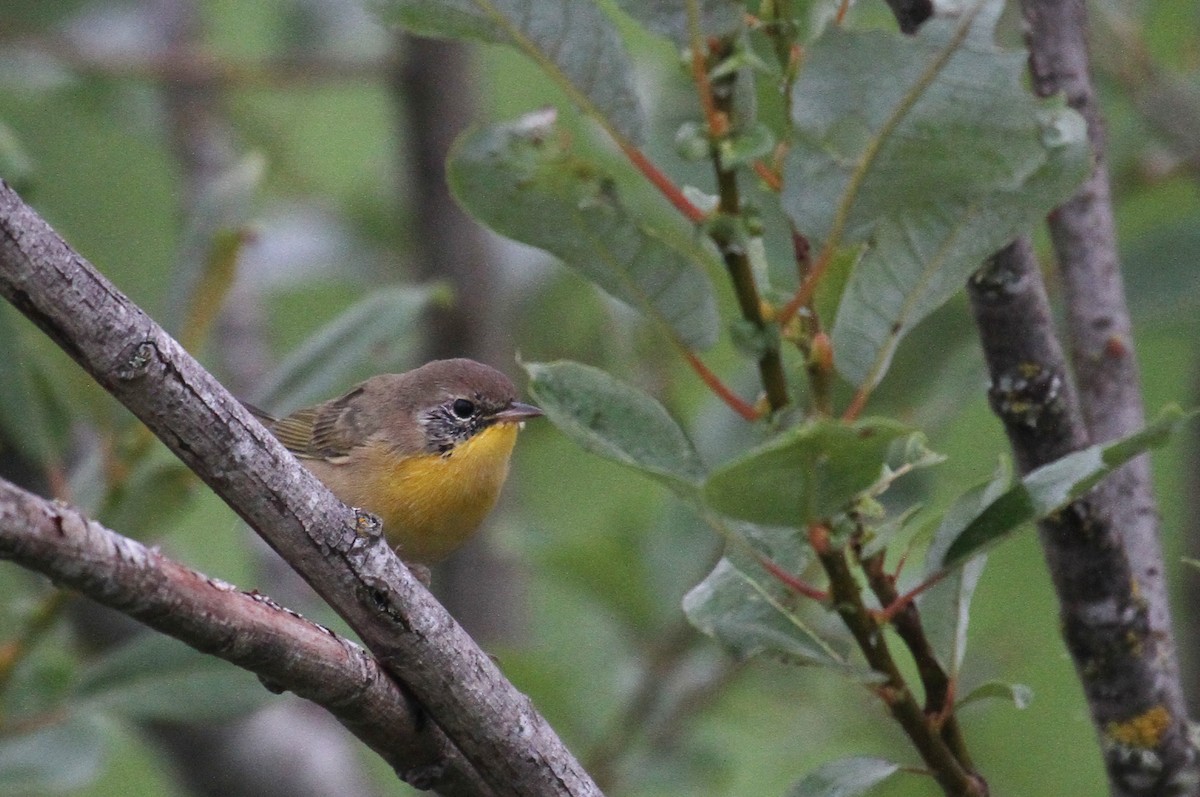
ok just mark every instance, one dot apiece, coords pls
pixel 516 413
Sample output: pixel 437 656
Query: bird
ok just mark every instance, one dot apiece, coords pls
pixel 426 451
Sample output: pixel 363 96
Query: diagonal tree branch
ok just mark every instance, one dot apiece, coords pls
pixel 246 629
pixel 339 552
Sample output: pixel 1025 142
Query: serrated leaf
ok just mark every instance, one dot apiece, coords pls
pixel 616 421
pixel 937 166
pixel 669 18
pixel 747 609
pixel 155 677
pixel 56 758
pixel 571 40
pixel 1020 695
pixel 848 777
pixel 522 180
pixel 1048 489
pixel 378 334
pixel 806 473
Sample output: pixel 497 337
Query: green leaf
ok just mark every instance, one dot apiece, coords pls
pixel 885 533
pixel 1019 695
pixel 205 264
pixel 946 606
pixel 747 609
pixel 571 40
pixel 741 148
pixel 953 617
pixel 669 18
pixel 1048 489
pixel 936 167
pixel 522 181
pixel 154 495
pixel 964 510
pixel 616 421
pixel 155 677
pixel 24 417
pixel 806 473
pixel 377 334
pixel 56 758
pixel 16 165
pixel 848 777
pixel 828 295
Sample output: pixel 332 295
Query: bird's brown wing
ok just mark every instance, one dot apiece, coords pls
pixel 327 431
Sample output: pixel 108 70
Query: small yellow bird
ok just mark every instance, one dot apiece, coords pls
pixel 426 450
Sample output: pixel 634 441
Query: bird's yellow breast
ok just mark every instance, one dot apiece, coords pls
pixel 431 503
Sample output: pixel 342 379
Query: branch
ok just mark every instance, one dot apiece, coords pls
pixel 1126 667
pixel 935 681
pixel 338 551
pixel 718 99
pixel 1084 237
pixel 951 773
pixel 246 629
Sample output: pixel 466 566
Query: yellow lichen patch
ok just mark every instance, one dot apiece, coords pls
pixel 1029 370
pixel 1145 731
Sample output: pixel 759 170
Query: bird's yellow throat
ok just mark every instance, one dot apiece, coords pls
pixel 430 503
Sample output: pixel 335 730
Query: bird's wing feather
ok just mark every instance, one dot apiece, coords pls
pixel 327 431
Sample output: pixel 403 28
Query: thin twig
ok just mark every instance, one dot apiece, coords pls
pixel 938 686
pixel 717 97
pixel 955 779
pixel 722 391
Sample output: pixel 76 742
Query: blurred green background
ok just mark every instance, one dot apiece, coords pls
pixel 169 140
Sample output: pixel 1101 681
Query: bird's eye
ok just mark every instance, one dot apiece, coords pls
pixel 463 408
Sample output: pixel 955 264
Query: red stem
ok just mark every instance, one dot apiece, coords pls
pixel 769 176
pixel 735 403
pixel 807 288
pixel 856 404
pixel 791 582
pixel 886 614
pixel 662 183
